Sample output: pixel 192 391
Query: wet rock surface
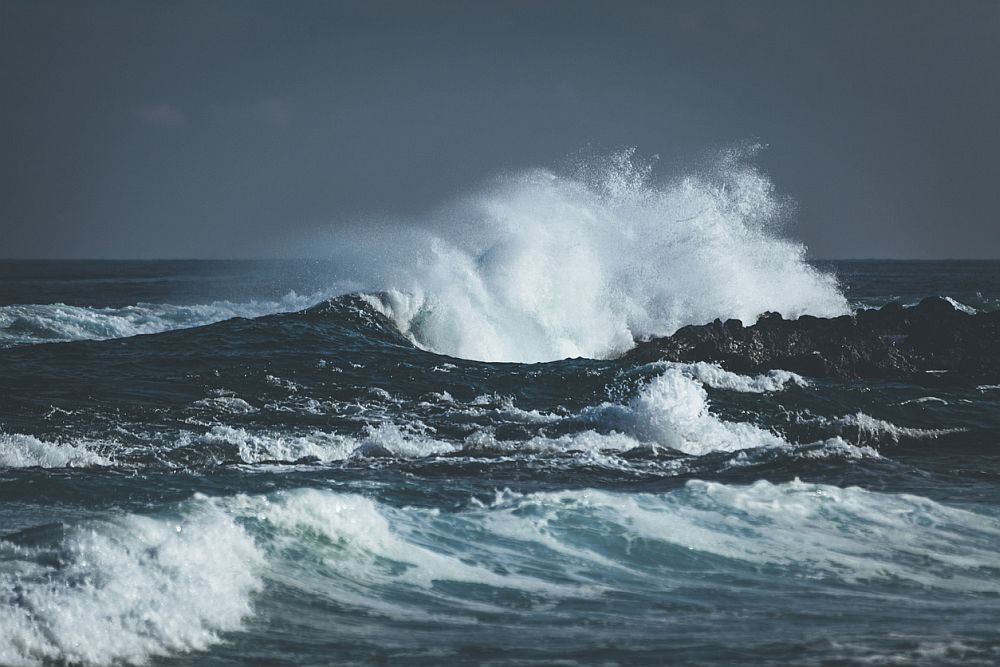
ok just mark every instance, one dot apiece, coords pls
pixel 930 342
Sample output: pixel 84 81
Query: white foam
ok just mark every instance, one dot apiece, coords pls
pixel 503 407
pixel 672 411
pixel 714 376
pixel 228 404
pixel 876 428
pixel 386 438
pixel 42 323
pixel 24 451
pixel 371 531
pixel 808 530
pixel 541 266
pixel 397 442
pixel 127 590
pixel 832 448
pixel 257 447
pixel 958 305
pixel 589 442
pixel 369 551
pixel 925 399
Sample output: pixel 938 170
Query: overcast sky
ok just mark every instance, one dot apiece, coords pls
pixel 223 129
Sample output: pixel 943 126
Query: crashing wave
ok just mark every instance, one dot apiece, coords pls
pixel 672 411
pixel 543 266
pixel 25 451
pixel 539 266
pixel 130 589
pixel 126 590
pixel 714 376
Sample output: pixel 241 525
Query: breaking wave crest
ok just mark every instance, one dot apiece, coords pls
pixel 125 590
pixel 130 589
pixel 522 557
pixel 544 266
pixel 672 411
pixel 24 451
pixel 713 375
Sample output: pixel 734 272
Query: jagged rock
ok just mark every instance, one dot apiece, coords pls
pixel 930 341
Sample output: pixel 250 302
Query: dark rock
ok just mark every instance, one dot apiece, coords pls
pixel 929 342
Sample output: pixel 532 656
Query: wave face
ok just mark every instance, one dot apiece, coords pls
pixel 123 591
pixel 544 266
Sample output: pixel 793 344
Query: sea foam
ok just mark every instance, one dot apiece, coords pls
pixel 811 531
pixel 25 451
pixel 126 590
pixel 672 411
pixel 713 375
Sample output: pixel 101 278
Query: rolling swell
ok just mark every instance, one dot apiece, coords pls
pixel 503 573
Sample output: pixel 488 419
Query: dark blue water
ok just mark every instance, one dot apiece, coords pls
pixel 226 463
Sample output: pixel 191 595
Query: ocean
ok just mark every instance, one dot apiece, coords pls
pixel 445 461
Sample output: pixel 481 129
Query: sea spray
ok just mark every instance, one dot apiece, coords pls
pixel 541 266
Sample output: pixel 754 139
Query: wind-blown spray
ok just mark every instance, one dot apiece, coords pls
pixel 542 266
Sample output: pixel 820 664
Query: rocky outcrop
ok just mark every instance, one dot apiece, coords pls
pixel 932 341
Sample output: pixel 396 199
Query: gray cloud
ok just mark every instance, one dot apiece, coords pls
pixel 276 111
pixel 250 123
pixel 161 115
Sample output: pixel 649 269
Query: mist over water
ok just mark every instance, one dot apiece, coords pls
pixel 541 265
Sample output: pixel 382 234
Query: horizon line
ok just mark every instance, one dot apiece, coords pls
pixel 325 259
